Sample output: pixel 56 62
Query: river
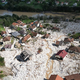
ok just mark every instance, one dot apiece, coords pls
pixel 29 14
pixel 5 12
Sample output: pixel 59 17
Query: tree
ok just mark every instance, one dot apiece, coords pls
pixel 5 22
pixel 16 16
pixel 56 19
pixel 1 21
pixel 23 17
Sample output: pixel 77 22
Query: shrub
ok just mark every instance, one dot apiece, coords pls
pixel 12 40
pixel 31 34
pixel 2 75
pixel 77 18
pixel 44 26
pixel 50 17
pixel 44 21
pixel 1 61
pixel 28 26
pixel 1 28
pixel 69 34
pixel 1 71
pixel 41 32
pixel 55 20
pixel 1 37
pixel 72 45
pixel 47 24
pixel 27 41
pixel 75 36
pixel 71 20
pixel 18 28
pixel 73 17
pixel 40 49
pixel 51 26
pixel 65 26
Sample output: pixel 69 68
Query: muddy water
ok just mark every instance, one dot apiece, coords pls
pixel 5 12
pixel 49 69
pixel 65 14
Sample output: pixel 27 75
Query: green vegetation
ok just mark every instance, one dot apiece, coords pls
pixel 28 21
pixel 31 34
pixel 69 34
pixel 24 21
pixel 75 36
pixel 77 18
pixel 28 31
pixel 1 37
pixel 12 40
pixel 71 2
pixel 23 17
pixel 72 45
pixel 55 20
pixel 2 75
pixel 1 28
pixel 18 28
pixel 1 71
pixel 7 20
pixel 28 26
pixel 46 5
pixel 27 41
pixel 40 49
pixel 44 26
pixel 42 32
pixel 47 25
pixel 1 61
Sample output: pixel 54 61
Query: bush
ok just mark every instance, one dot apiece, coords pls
pixel 2 75
pixel 47 24
pixel 65 26
pixel 72 45
pixel 1 61
pixel 1 37
pixel 44 21
pixel 1 28
pixel 69 34
pixel 18 28
pixel 55 20
pixel 1 71
pixel 50 17
pixel 71 20
pixel 41 32
pixel 27 41
pixel 77 18
pixel 28 26
pixel 12 40
pixel 75 36
pixel 23 17
pixel 40 49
